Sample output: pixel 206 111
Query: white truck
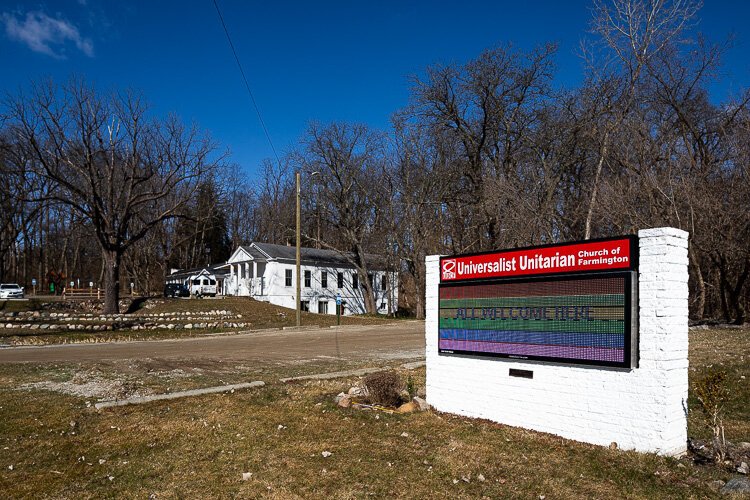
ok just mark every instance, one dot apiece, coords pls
pixel 202 285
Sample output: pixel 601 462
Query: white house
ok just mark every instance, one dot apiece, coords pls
pixel 266 272
pixel 211 279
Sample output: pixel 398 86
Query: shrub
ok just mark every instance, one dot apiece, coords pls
pixel 411 387
pixel 712 393
pixel 384 388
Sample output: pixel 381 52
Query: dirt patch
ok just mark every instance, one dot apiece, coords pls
pixel 93 385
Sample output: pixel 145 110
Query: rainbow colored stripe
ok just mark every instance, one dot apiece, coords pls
pixel 571 319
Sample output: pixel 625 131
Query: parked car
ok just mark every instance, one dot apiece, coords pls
pixel 10 291
pixel 176 290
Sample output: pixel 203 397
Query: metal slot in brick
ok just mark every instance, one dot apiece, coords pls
pixel 514 372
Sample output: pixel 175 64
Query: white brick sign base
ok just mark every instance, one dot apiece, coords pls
pixel 642 409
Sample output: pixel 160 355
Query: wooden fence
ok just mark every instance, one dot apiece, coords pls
pixel 83 293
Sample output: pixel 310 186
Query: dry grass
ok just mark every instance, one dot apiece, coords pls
pixel 31 304
pixel 730 350
pixel 199 447
pixel 260 314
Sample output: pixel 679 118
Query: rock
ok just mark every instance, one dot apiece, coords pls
pixel 407 407
pixel 744 445
pixel 326 454
pixel 246 476
pixel 339 397
pixel 355 391
pixel 420 403
pixel 716 485
pixel 743 468
pixel 345 402
pixel 739 486
pixel 189 326
pixel 404 434
pixel 480 478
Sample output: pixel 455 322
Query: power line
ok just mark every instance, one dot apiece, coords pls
pixel 247 85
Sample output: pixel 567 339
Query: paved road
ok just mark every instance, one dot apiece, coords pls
pixel 403 340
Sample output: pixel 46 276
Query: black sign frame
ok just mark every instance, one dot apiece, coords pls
pixel 630 356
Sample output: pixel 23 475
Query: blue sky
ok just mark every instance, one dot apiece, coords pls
pixel 305 61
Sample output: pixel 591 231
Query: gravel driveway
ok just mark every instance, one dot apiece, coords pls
pixel 400 340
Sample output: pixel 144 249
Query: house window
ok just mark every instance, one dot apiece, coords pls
pixel 196 282
pixel 340 280
pixel 288 277
pixel 308 275
pixel 305 305
pixel 371 279
pixel 355 281
pixel 323 307
pixel 384 282
pixel 382 306
pixel 324 279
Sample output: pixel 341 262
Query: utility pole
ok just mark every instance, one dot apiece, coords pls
pixel 299 231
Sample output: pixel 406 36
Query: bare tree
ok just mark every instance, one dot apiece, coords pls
pixel 240 200
pixel 350 163
pixel 417 184
pixel 273 215
pixel 485 110
pixel 122 171
pixel 635 32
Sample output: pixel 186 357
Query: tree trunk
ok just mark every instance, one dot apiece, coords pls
pixel 735 295
pixel 419 309
pixel 368 293
pixel 111 260
pixel 700 306
pixel 595 187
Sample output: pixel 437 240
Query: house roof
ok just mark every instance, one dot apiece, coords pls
pixel 316 256
pixel 216 269
pixel 253 252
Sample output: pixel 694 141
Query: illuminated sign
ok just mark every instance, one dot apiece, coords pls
pixel 564 315
pixel 595 255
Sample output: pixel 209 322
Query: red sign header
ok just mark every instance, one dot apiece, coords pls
pixel 599 255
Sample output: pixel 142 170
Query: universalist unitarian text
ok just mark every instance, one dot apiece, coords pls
pixel 538 261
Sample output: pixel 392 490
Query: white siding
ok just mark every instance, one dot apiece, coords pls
pixel 280 294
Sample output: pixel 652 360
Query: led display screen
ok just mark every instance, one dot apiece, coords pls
pixel 572 319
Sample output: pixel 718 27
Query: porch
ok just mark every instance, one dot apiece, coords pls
pixel 247 279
